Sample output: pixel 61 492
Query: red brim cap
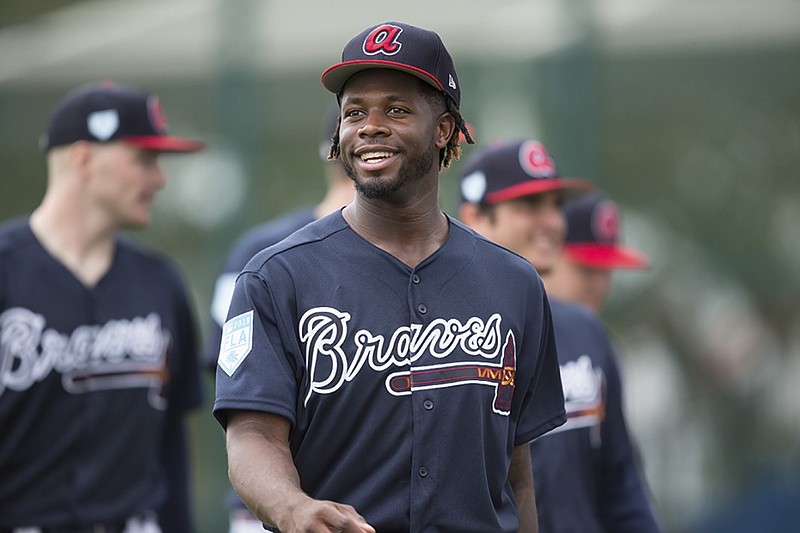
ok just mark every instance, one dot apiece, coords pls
pixel 606 256
pixel 165 143
pixel 536 186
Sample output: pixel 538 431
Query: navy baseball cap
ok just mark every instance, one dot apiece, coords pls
pixel 593 234
pixel 398 46
pixel 106 112
pixel 508 170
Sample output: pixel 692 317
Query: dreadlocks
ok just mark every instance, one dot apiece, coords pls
pixel 442 103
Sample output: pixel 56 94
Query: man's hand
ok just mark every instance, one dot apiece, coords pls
pixel 261 470
pixel 321 516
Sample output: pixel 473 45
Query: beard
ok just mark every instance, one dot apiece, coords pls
pixel 413 169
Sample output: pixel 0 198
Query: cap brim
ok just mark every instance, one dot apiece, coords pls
pixel 536 186
pixel 165 143
pixel 606 256
pixel 337 75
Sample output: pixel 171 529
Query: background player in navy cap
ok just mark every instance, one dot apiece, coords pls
pixel 592 250
pixel 384 368
pixel 98 361
pixel 584 472
pixel 339 192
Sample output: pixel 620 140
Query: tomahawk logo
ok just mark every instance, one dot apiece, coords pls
pixel 500 376
pixel 383 40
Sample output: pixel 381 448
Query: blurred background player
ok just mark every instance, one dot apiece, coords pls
pixel 584 472
pixel 592 250
pixel 98 348
pixel 339 192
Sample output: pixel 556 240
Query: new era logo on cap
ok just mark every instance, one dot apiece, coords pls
pixel 398 46
pixel 111 112
pixel 512 169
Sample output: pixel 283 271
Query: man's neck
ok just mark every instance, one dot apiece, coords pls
pixel 409 233
pixel 85 248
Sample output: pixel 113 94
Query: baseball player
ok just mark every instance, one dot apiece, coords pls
pixel 592 250
pixel 339 193
pixel 384 368
pixel 584 471
pixel 98 360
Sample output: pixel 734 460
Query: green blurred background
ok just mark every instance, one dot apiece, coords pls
pixel 686 112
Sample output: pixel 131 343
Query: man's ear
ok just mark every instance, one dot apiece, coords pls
pixel 80 154
pixel 447 128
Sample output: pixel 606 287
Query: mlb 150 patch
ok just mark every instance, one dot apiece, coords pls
pixel 237 342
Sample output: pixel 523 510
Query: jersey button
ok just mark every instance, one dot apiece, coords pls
pixel 422 309
pixel 423 471
pixel 428 404
pixel 415 278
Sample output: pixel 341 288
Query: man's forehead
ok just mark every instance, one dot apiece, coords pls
pixel 382 79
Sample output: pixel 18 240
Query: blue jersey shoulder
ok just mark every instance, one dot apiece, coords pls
pixel 495 254
pixel 315 231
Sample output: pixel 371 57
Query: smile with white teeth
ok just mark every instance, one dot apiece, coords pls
pixel 374 157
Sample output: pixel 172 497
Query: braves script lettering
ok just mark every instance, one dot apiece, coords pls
pixel 323 331
pixel 584 396
pixel 29 352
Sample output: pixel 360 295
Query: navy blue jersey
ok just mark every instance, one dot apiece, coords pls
pixel 249 244
pixel 89 378
pixel 406 388
pixel 585 473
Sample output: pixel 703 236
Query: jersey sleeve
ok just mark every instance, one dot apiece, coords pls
pixel 256 369
pixel 244 248
pixel 543 407
pixel 239 254
pixel 221 299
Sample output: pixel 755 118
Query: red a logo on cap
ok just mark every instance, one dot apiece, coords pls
pixel 156 114
pixel 383 39
pixel 606 222
pixel 536 161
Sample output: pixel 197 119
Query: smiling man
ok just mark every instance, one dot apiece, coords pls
pixel 384 368
pixel 585 472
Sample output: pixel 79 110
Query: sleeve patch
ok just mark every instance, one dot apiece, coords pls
pixel 237 342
